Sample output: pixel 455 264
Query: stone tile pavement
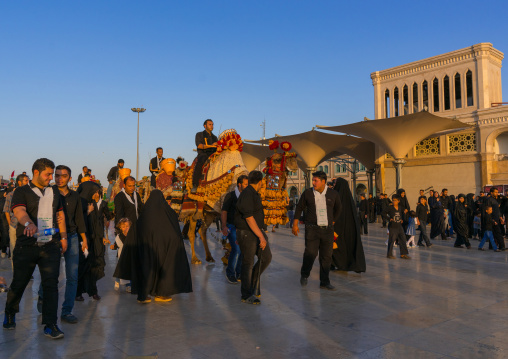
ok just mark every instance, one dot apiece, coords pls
pixel 444 303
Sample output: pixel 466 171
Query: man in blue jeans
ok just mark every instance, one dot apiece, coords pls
pixel 229 230
pixel 75 223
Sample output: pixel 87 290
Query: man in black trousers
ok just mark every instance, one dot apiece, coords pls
pixel 321 207
pixel 363 208
pixel 249 219
pixel 37 207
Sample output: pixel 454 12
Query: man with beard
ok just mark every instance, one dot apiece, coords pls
pixel 321 208
pixel 349 255
pixel 75 223
pixel 113 177
pixel 206 143
pixel 155 166
pixel 38 207
pixel 128 205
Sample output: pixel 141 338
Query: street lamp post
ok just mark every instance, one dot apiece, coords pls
pixel 138 110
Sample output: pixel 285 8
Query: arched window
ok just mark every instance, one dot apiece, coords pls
pixel 415 97
pixel 320 168
pixel 396 101
pixel 344 168
pixel 405 98
pixel 469 88
pixel 337 168
pixel 458 91
pixel 425 95
pixel 446 92
pixel 387 103
pixel 326 169
pixel 435 91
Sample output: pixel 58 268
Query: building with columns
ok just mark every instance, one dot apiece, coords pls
pixel 464 85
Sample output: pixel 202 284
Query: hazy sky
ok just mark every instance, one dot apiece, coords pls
pixel 71 70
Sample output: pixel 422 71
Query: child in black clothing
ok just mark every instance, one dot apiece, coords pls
pixel 394 213
pixel 487 233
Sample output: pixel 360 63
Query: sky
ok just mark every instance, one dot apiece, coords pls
pixel 70 71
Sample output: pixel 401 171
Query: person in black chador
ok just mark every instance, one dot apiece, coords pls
pixel 206 143
pixel 164 267
pixel 155 166
pixel 404 207
pixel 437 217
pixel 91 267
pixel 348 256
pixel 460 215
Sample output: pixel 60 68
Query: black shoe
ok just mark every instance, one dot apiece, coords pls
pixel 9 321
pixel 79 298
pixel 390 257
pixel 52 331
pixel 69 318
pixel 39 305
pixel 231 280
pixel 303 281
pixel 481 249
pixel 251 300
pixel 327 286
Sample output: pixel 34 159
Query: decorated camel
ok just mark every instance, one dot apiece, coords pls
pixel 219 176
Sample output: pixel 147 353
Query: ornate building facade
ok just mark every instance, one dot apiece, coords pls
pixel 463 85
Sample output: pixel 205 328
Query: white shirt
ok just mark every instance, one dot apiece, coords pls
pixel 321 215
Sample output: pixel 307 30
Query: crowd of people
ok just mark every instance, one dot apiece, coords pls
pixel 44 219
pixel 463 217
pixel 48 220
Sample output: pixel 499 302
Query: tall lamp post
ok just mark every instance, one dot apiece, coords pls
pixel 138 110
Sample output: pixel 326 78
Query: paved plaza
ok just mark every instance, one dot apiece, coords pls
pixel 444 303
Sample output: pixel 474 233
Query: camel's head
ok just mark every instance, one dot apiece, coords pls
pixel 229 140
pixel 291 164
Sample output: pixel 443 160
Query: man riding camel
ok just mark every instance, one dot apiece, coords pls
pixel 206 143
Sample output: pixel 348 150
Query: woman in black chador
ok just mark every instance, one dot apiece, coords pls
pixel 460 225
pixel 164 267
pixel 437 219
pixel 91 268
pixel 348 256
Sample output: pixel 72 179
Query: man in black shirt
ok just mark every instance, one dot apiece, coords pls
pixel 82 174
pixel 249 219
pixel 75 223
pixel 37 207
pixel 128 202
pixel 372 208
pixel 492 201
pixel 321 207
pixel 113 176
pixel 363 208
pixel 233 269
pixel 155 166
pixel 206 143
pixel 422 212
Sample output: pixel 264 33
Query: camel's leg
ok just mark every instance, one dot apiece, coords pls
pixel 202 234
pixel 192 237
